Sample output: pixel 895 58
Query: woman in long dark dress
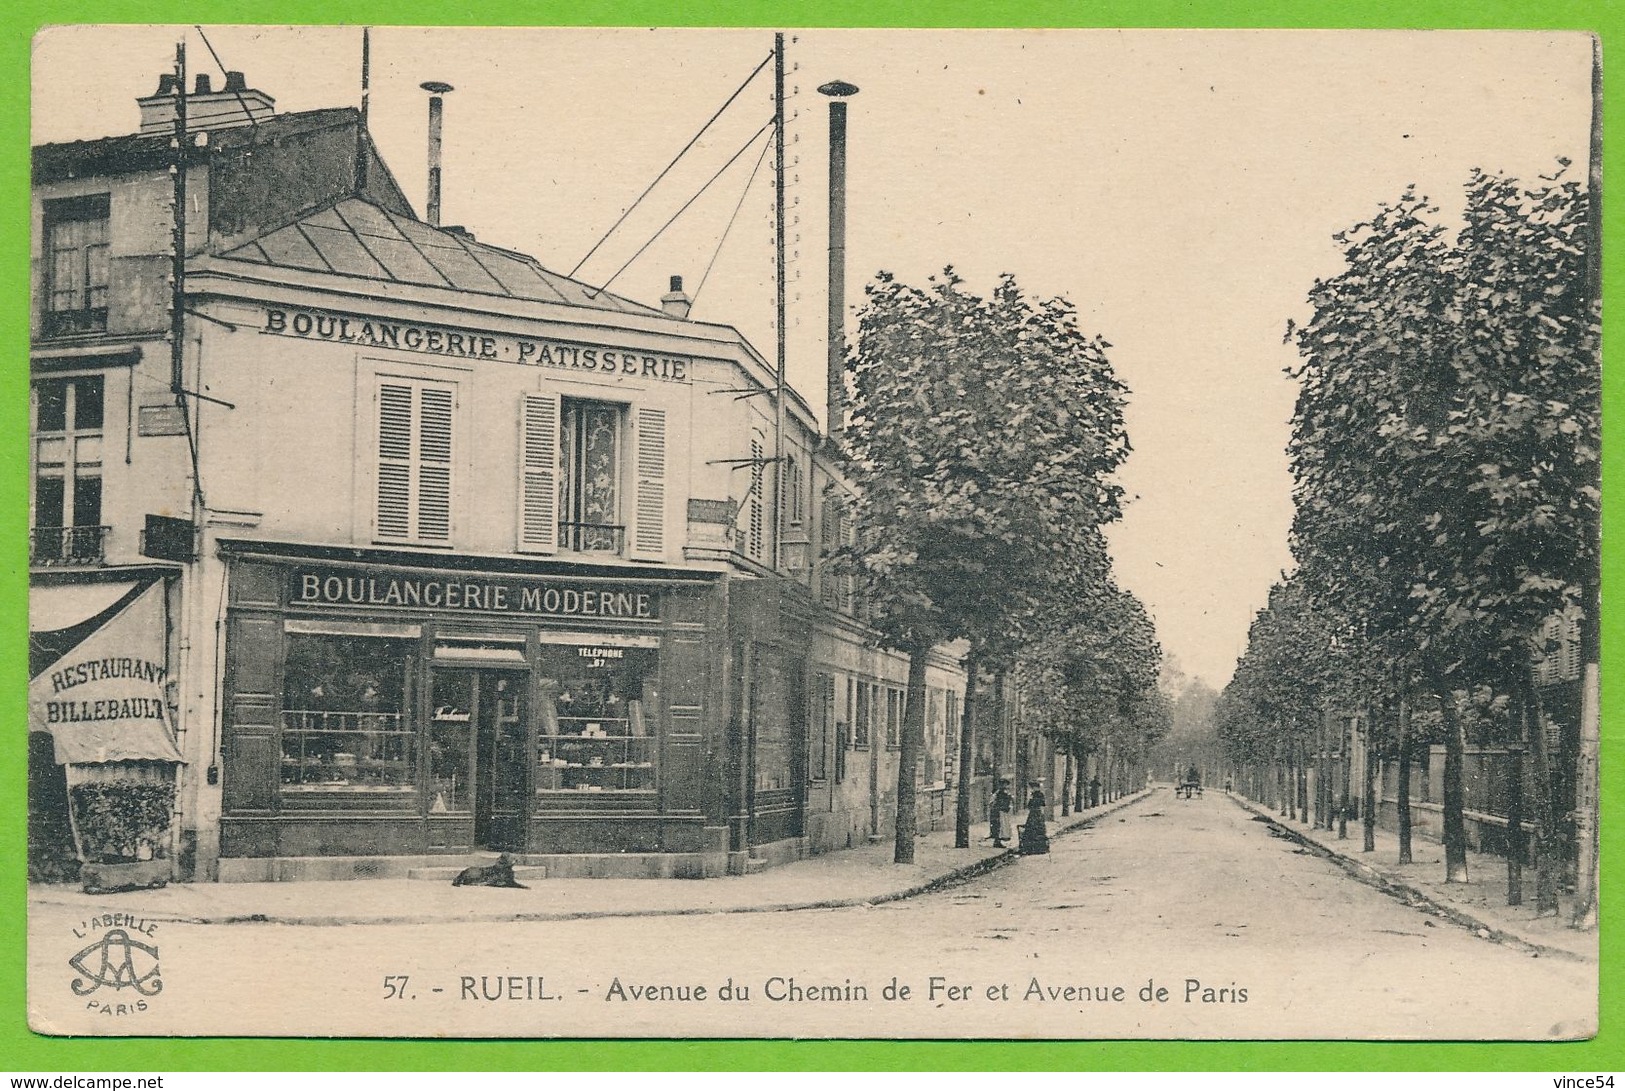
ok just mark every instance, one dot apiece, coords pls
pixel 1035 834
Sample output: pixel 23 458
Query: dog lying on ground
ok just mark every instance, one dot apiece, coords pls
pixel 497 874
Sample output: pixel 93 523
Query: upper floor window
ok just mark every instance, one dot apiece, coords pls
pixel 67 450
pixel 795 506
pixel 75 266
pixel 591 459
pixel 577 459
pixel 415 444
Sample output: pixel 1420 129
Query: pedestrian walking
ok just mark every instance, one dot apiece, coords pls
pixel 1000 805
pixel 1035 834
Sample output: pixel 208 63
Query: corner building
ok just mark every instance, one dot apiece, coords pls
pixel 456 555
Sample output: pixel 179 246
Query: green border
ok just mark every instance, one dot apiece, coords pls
pixel 24 1052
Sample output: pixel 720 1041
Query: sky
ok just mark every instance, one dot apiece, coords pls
pixel 1181 189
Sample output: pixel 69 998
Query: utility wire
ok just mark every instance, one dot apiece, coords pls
pixel 760 159
pixel 670 165
pixel 252 124
pixel 732 159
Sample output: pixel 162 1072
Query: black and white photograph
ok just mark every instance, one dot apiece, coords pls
pixel 771 533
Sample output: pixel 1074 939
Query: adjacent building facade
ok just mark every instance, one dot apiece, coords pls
pixel 436 552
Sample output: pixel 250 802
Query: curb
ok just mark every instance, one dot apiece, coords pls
pixel 952 877
pixel 1410 895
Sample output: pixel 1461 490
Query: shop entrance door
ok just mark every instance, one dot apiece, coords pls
pixel 489 708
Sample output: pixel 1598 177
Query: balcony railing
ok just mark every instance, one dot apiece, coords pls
pixel 592 537
pixel 73 323
pixel 67 545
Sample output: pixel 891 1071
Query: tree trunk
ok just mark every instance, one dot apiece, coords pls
pixel 1303 781
pixel 1368 794
pixel 1402 794
pixel 1066 782
pixel 967 736
pixel 1515 842
pixel 1078 792
pixel 908 755
pixel 1323 774
pixel 1345 782
pixel 1300 779
pixel 1548 845
pixel 1455 825
pixel 1283 769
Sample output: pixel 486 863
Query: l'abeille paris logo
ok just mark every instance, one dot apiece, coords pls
pixel 118 971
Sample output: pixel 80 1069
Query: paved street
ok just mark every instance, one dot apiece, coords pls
pixel 1251 936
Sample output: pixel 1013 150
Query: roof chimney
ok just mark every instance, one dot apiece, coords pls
pixel 835 366
pixel 676 302
pixel 436 110
pixel 206 108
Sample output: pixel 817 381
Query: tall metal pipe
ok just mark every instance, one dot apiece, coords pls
pixel 436 109
pixel 835 377
pixel 366 93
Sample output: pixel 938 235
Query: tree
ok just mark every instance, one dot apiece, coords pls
pixel 983 436
pixel 1091 679
pixel 1445 446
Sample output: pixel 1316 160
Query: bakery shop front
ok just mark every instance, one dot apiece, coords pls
pixel 375 708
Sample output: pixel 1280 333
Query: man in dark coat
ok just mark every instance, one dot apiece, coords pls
pixel 1000 805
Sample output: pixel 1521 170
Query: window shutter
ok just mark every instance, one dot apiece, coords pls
pixel 757 483
pixel 436 406
pixel 415 423
pixel 649 534
pixel 394 460
pixel 539 473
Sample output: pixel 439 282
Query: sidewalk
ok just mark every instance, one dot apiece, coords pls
pixel 1479 904
pixel 859 876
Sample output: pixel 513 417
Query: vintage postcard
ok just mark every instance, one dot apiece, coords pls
pixel 628 533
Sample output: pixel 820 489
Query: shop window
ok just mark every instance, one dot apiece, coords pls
pixel 934 738
pixel 75 266
pixel 591 456
pixel 67 449
pixel 596 727
pixel 773 715
pixel 860 721
pixel 451 742
pixel 345 723
pixel 894 717
pixel 415 450
pixel 823 726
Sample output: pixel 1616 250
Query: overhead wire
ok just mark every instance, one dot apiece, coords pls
pixel 744 193
pixel 252 124
pixel 732 159
pixel 694 140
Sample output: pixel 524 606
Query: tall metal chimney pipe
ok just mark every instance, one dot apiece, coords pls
pixel 436 108
pixel 835 378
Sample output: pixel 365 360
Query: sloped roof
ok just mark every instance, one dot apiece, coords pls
pixel 357 238
pixel 151 151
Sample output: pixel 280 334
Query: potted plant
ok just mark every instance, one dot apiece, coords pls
pixel 123 828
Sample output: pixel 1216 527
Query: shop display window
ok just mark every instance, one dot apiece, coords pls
pixel 451 753
pixel 345 727
pixel 596 731
pixel 774 718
